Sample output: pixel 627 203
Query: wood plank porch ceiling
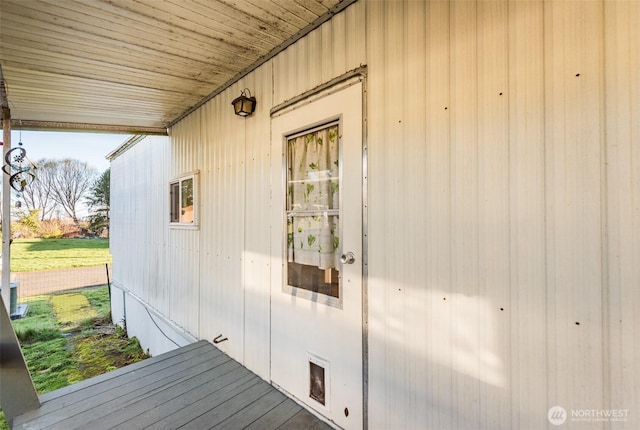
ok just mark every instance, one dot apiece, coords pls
pixel 137 65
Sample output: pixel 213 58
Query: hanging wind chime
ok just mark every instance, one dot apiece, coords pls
pixel 19 169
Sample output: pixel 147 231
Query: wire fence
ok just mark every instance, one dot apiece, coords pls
pixel 58 288
pixel 55 281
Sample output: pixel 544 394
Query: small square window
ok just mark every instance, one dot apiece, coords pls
pixel 183 201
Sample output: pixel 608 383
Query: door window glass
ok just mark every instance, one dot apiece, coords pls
pixel 313 208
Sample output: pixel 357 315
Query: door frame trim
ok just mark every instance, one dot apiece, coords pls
pixel 361 73
pixel 365 255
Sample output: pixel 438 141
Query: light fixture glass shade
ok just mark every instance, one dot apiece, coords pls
pixel 243 105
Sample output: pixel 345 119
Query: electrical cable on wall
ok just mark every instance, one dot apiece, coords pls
pixel 156 324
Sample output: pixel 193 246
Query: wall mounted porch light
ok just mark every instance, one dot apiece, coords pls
pixel 243 105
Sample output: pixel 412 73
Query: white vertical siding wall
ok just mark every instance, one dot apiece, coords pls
pixel 183 256
pixel 222 231
pixel 139 247
pixel 621 187
pixel 330 51
pixel 500 281
pixel 217 278
pixel 139 243
pixel 227 291
pixel 257 248
pixel 574 162
pixel 503 201
pixel 528 296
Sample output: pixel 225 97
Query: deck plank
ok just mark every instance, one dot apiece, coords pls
pixel 130 386
pixel 192 387
pixel 171 402
pixel 195 409
pixel 114 411
pixel 183 352
pixel 227 408
pixel 112 380
pixel 276 417
pixel 303 420
pixel 244 417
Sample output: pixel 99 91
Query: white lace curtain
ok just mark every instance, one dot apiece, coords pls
pixel 313 198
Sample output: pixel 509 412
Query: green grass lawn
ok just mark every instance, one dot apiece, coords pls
pixel 48 351
pixel 28 255
pixel 59 352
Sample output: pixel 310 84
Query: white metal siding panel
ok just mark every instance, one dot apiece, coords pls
pixel 573 131
pixel 494 360
pixel 436 381
pixel 221 290
pixel 501 214
pixel 398 187
pixel 327 52
pixel 183 252
pixel 413 130
pixel 118 304
pixel 257 246
pixel 153 220
pixel 503 208
pixel 139 219
pixel 118 227
pixel 622 306
pixel 219 274
pixel 155 333
pixel 466 304
pixel 385 328
pixel 527 217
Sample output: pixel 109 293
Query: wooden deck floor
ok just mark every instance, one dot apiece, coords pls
pixel 193 387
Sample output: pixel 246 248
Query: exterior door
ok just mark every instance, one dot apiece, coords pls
pixel 316 327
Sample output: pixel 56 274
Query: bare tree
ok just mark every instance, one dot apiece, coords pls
pixel 71 181
pixel 39 194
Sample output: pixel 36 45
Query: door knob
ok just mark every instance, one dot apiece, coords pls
pixel 348 258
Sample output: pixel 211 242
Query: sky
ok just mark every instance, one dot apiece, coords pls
pixel 89 147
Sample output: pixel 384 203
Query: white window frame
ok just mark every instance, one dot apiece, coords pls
pixel 195 176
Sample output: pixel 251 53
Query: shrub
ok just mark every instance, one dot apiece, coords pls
pixel 50 229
